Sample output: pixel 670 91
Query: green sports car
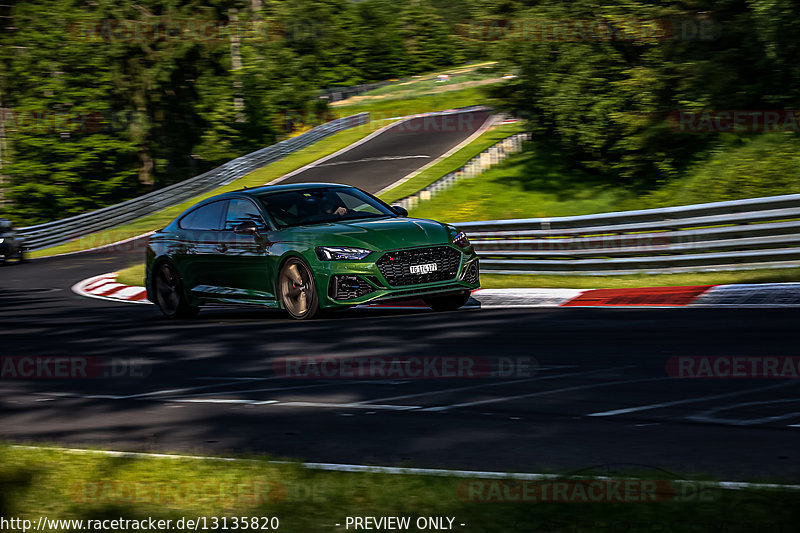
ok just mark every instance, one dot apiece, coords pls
pixel 304 248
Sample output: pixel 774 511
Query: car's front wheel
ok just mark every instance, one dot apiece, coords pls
pixel 168 293
pixel 449 302
pixel 297 290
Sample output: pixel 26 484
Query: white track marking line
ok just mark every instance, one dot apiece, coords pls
pixel 349 406
pixel 627 410
pixel 270 389
pixel 338 467
pixel 493 384
pixel 705 416
pixel 136 396
pixel 213 378
pixel 541 393
pixel 379 158
pixel 490 120
pixel 346 149
pixel 222 400
pixel 170 394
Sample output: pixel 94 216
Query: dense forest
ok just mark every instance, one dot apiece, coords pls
pixel 105 99
pixel 102 100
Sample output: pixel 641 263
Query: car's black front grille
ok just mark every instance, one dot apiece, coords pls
pixel 396 266
pixel 348 287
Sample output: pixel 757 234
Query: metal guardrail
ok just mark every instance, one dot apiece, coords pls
pixel 60 231
pixel 336 94
pixel 733 235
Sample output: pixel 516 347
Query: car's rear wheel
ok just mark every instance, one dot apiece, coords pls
pixel 449 302
pixel 297 290
pixel 169 296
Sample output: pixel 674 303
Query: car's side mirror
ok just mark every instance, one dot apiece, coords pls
pixel 400 210
pixel 248 227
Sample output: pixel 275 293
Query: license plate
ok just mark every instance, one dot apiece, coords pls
pixel 424 269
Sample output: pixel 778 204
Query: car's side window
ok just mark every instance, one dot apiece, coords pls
pixel 208 217
pixel 241 210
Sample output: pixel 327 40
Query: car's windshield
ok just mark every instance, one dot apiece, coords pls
pixel 315 206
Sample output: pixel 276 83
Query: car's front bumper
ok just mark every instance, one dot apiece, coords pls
pixel 347 283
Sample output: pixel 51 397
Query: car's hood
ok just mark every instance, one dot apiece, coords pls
pixel 375 234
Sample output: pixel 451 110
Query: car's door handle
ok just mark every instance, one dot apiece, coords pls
pixel 222 248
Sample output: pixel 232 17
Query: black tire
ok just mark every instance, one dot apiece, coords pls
pixel 168 294
pixel 450 302
pixel 297 290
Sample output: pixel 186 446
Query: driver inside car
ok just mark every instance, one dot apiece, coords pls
pixel 333 205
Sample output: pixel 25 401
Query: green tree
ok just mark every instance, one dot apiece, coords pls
pixel 428 41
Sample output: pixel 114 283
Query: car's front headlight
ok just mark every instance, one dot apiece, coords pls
pixel 1 240
pixel 461 240
pixel 341 253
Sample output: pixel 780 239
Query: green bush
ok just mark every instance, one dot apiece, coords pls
pixel 762 166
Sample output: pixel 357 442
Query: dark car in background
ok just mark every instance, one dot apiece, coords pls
pixel 304 248
pixel 12 246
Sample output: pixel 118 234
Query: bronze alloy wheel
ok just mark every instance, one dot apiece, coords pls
pixel 297 289
pixel 169 295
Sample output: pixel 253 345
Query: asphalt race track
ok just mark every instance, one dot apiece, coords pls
pixel 403 148
pixel 580 388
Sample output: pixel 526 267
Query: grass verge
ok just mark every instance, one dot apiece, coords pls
pixel 419 104
pixel 133 275
pixel 62 485
pixel 533 183
pixel 428 84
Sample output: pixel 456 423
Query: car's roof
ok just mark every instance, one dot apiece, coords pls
pixel 261 191
pixel 267 189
